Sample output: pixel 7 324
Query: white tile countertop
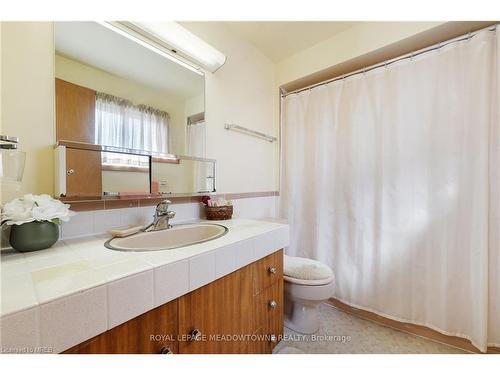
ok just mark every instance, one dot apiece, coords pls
pixel 54 299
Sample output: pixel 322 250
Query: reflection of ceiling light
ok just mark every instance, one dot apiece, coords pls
pixel 171 40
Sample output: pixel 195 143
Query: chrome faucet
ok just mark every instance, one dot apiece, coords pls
pixel 161 217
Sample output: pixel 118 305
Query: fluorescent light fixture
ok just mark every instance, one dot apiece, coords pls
pixel 185 42
pixel 149 45
pixel 172 41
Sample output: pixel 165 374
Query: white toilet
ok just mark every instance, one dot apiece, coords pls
pixel 307 284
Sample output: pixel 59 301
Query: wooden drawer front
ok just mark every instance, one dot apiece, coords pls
pixel 267 271
pixel 268 305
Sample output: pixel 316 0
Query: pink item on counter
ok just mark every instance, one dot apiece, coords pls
pixel 155 187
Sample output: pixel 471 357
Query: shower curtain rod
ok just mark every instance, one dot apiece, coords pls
pixel 396 59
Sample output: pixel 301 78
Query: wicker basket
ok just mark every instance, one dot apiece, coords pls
pixel 219 213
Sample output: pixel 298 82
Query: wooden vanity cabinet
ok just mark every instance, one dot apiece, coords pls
pixel 239 313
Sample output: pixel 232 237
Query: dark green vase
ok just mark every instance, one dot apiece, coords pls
pixel 37 235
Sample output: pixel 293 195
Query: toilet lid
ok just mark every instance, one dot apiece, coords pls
pixel 306 271
pixel 309 282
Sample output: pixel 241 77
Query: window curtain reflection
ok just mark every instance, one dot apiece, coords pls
pixel 119 123
pixel 391 177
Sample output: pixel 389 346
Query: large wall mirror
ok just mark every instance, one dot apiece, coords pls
pixel 116 94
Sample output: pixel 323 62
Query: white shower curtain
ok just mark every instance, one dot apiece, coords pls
pixel 392 178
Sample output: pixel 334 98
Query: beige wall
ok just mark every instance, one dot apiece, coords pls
pixel 241 92
pixel 28 101
pixel 120 181
pixel 355 41
pixel 99 80
pixel 195 105
pixel 178 177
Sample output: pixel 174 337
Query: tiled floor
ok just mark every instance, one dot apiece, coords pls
pixel 344 333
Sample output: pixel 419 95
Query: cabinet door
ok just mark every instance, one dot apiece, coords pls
pixel 154 332
pixel 235 314
pixel 198 321
pixel 75 112
pixel 83 173
pixel 222 312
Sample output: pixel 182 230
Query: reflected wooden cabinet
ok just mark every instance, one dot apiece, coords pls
pixel 75 112
pixel 75 122
pixel 83 173
pixel 238 313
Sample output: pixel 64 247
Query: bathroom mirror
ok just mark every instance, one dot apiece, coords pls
pixel 112 90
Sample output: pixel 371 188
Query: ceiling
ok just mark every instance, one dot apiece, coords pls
pixel 95 45
pixel 279 40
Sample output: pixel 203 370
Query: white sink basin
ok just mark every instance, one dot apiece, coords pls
pixel 177 236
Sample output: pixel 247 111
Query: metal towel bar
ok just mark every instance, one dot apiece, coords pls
pixel 255 133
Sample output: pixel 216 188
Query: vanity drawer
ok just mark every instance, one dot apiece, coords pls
pixel 270 333
pixel 268 306
pixel 267 271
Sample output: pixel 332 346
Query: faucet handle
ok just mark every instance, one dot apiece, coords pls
pixel 162 207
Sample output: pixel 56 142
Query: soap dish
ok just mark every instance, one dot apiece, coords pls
pixel 125 231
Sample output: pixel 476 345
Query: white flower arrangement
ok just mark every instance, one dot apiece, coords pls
pixel 31 208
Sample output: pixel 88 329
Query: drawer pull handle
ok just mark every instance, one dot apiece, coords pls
pixel 273 304
pixel 166 350
pixel 195 335
pixel 273 338
pixel 272 270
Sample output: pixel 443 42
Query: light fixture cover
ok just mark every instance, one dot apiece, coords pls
pixel 184 43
